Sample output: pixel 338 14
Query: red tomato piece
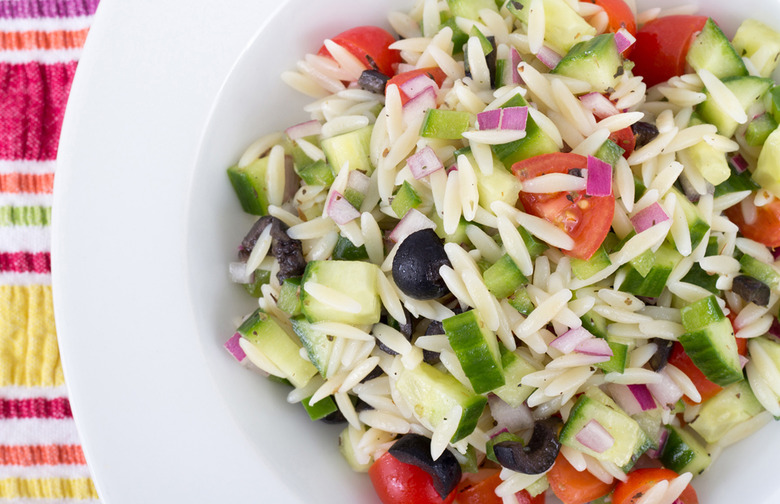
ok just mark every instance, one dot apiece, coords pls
pixel 398 483
pixel 523 497
pixel 480 488
pixel 586 219
pixel 625 139
pixel 435 73
pixel 679 359
pixel 619 14
pixel 574 487
pixel 371 45
pixel 641 480
pixel 766 226
pixel 661 46
pixel 741 342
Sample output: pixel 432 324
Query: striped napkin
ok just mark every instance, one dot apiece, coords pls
pixel 41 460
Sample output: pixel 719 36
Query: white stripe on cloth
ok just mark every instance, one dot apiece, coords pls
pixel 38 431
pixel 24 279
pixel 25 238
pixel 45 56
pixel 26 167
pixel 13 392
pixel 66 471
pixel 45 24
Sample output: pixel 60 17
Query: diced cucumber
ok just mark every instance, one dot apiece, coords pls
pixel 728 408
pixel 643 263
pixel 737 181
pixel 317 344
pixel 251 186
pixel 290 297
pixel 563 26
pixel 468 461
pixel 583 269
pixel 267 336
pixel 355 280
pixel 651 422
pixel 347 449
pixel 500 438
pixel 501 185
pixel 259 278
pixel 459 37
pixel 759 129
pixel 504 277
pixel 405 199
pixel 709 341
pixel 538 487
pixel 760 270
pixel 470 8
pixel 535 246
pixel 710 162
pixel 684 453
pixel 712 51
pixel 747 89
pixel 347 251
pixel 697 276
pixel 534 143
pixel 352 147
pixel 445 124
pixel 432 394
pixel 629 441
pixel 760 43
pixel 318 173
pixel 521 301
pixel 609 152
pixel 477 350
pixel 766 173
pixel 321 408
pixel 652 284
pixel 616 363
pixel 697 226
pixel 596 61
pixel 515 368
pixel 459 236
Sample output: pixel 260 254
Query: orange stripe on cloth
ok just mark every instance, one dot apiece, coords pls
pixel 49 40
pixel 27 183
pixel 48 488
pixel 38 455
pixel 29 355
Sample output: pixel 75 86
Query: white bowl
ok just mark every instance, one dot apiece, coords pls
pixel 146 223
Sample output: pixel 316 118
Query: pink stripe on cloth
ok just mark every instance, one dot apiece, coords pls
pixel 33 98
pixel 25 9
pixel 37 407
pixel 25 262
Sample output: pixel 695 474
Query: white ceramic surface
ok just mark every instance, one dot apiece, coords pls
pixel 166 97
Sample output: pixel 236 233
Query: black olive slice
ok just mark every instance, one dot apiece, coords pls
pixel 415 449
pixel 416 265
pixel 536 457
pixel 751 290
pixel 286 250
pixel 661 356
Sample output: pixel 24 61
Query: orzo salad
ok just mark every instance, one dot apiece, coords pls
pixel 524 249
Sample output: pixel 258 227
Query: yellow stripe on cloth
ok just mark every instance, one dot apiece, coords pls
pixel 29 356
pixel 48 488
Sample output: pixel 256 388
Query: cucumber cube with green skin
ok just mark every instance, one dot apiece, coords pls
pixel 251 187
pixel 583 269
pixel 515 368
pixel 300 158
pixel 356 281
pixel 596 61
pixel 268 336
pixel 470 8
pixel 290 297
pixel 352 147
pixel 433 394
pixel 490 454
pixel 747 89
pixel 459 37
pixel 709 341
pixel 766 173
pixel 563 26
pixel 500 185
pixel 317 174
pixel 259 278
pixel 445 124
pixel 534 143
pixel 535 247
pixel 609 152
pixel 318 345
pixel 347 449
pixel 712 51
pixel 643 263
pixel 521 301
pixel 616 363
pixel 682 452
pixel 731 406
pixel 321 408
pixel 476 348
pixel 503 277
pixel 697 226
pixel 346 250
pixel 737 181
pixel 754 37
pixel 468 461
pixel 652 284
pixel 405 199
pixel 459 236
pixel 709 161
pixel 759 129
pixel 629 440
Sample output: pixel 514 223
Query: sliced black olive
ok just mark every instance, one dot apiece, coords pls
pixel 644 132
pixel 661 356
pixel 373 81
pixel 415 449
pixel 416 265
pixel 536 457
pixel 751 290
pixel 375 373
pixel 286 250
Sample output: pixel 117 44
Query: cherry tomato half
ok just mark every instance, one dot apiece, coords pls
pixel 625 139
pixel 765 228
pixel 619 14
pixel 641 480
pixel 371 45
pixel 661 46
pixel 435 73
pixel 586 219
pixel 398 483
pixel 679 359
pixel 574 487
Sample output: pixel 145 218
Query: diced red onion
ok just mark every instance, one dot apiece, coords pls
pixel 508 418
pixel 678 501
pixel 489 119
pixel 594 346
pixel 548 57
pixel 424 162
pixel 452 167
pixel 358 181
pixel 340 210
pixel 774 329
pixel 515 59
pixel 595 437
pixel 624 398
pixel 649 217
pixel 655 453
pixel 496 432
pixel 599 104
pixel 569 340
pixel 419 105
pixel 599 181
pixel 304 129
pixel 743 361
pixel 417 85
pixel 413 221
pixel 739 163
pixel 234 347
pixel 643 396
pixel 624 39
pixel 666 392
pixel 239 273
pixel 514 118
